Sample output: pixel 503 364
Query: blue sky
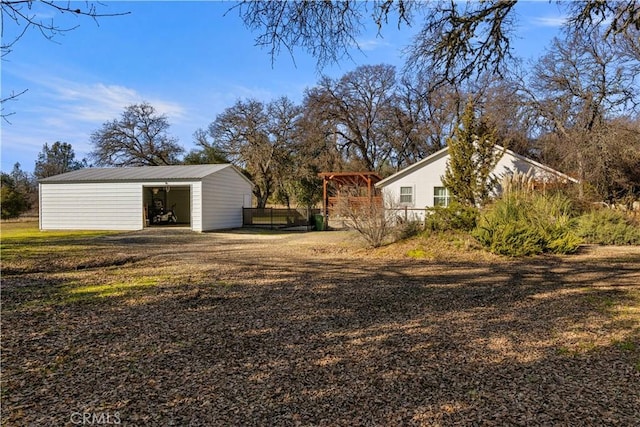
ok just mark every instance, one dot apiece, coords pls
pixel 187 59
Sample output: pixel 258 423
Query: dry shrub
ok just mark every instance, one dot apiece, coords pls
pixel 370 218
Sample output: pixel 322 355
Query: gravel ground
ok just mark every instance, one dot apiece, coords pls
pixel 168 327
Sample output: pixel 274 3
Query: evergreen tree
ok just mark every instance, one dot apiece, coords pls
pixel 206 153
pixel 472 158
pixel 19 192
pixel 57 159
pixel 13 202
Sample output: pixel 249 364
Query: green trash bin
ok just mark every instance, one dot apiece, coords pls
pixel 318 220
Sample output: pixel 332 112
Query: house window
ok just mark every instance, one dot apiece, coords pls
pixel 406 195
pixel 441 196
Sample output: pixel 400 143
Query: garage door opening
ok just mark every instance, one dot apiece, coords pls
pixel 167 206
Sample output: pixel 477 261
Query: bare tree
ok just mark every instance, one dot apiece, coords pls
pixel 376 123
pixel 26 15
pixel 617 18
pixel 630 43
pixel 316 144
pixel 21 16
pixel 138 138
pixel 426 116
pixel 578 89
pixel 327 30
pixel 609 157
pixel 313 150
pixel 257 137
pixel 12 96
pixel 623 142
pixel 459 39
pixel 410 130
pixel 434 112
pixel 503 106
pixel 359 105
pixel 283 128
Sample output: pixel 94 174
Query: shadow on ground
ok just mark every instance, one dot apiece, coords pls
pixel 241 332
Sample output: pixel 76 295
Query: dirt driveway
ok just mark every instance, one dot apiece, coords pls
pixel 169 327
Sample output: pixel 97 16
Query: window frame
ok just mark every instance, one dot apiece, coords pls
pixel 411 195
pixel 437 198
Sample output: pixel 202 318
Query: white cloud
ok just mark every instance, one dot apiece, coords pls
pixel 59 109
pixel 99 102
pixel 235 92
pixel 372 44
pixel 549 21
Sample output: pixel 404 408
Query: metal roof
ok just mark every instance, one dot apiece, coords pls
pixel 143 173
pixel 445 152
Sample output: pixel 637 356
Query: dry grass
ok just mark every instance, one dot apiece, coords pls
pixel 167 327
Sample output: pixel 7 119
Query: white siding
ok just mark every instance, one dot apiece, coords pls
pixel 216 203
pixel 425 178
pixel 509 164
pixel 91 206
pixel 223 196
pixel 104 206
pixel 423 181
pixel 196 206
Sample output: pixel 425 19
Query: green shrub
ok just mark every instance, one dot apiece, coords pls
pixel 608 227
pixel 456 216
pixel 409 228
pixel 522 224
pixel 512 239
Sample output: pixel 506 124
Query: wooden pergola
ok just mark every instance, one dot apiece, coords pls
pixel 352 180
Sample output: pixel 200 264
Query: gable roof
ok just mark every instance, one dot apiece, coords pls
pixel 417 165
pixel 142 173
pixel 445 152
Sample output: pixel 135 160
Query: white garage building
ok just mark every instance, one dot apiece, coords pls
pixel 204 197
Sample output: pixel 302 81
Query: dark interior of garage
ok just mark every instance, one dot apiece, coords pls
pixel 167 205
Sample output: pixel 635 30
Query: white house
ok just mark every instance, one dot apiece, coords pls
pixel 419 185
pixel 205 197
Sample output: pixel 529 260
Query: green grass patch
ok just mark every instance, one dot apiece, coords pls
pixel 116 289
pixel 603 303
pixel 28 232
pixel 418 253
pixel 627 345
pixel 43 296
pixel 23 245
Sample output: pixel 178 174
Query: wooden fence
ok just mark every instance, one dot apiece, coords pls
pixel 352 202
pixel 279 217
